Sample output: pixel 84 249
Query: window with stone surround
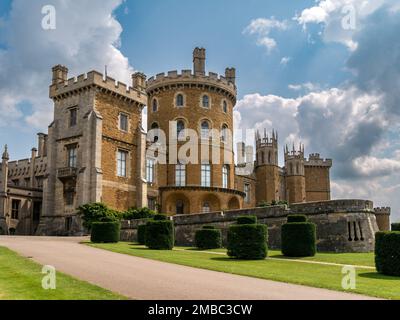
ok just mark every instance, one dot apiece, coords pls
pixel 205 175
pixel 72 152
pixel 15 205
pixel 150 166
pixel 73 117
pixel 179 102
pixel 225 176
pixel 180 175
pixel 205 101
pixel 123 122
pixel 122 157
pixel 224 106
pixel 155 105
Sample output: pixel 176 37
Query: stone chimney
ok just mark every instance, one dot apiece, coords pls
pixel 199 61
pixel 41 144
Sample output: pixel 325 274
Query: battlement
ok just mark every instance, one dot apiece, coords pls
pixel 315 160
pixel 382 210
pixel 95 78
pixel 187 77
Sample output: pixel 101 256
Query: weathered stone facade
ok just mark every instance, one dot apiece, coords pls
pixel 342 225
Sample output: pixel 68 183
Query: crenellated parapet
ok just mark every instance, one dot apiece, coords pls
pixel 63 87
pixel 187 79
pixel 382 210
pixel 314 160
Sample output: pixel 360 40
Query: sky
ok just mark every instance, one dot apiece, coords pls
pixel 325 73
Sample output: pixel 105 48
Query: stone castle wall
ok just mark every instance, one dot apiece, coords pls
pixel 342 225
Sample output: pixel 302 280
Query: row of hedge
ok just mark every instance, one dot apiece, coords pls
pixel 99 212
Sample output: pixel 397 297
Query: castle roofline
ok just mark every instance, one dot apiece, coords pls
pixel 188 78
pixel 96 79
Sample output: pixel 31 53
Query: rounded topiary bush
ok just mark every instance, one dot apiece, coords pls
pixel 105 232
pixel 296 218
pixel 141 234
pixel 246 220
pixel 208 238
pixel 299 239
pixel 396 226
pixel 247 241
pixel 159 234
pixel 387 253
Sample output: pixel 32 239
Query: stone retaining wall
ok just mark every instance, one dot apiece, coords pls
pixel 342 225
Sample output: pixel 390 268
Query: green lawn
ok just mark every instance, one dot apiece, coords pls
pixel 21 279
pixel 368 281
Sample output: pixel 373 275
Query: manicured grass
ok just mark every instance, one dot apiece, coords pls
pixel 21 279
pixel 368 282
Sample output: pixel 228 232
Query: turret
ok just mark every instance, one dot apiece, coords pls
pixel 60 74
pixel 230 74
pixel 139 81
pixel 267 170
pixel 267 148
pixel 199 61
pixel 295 174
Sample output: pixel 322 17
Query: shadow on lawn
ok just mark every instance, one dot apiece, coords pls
pixel 376 275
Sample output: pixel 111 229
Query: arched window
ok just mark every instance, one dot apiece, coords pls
pixel 154 126
pixel 179 100
pixel 205 100
pixel 269 156
pixel 225 176
pixel 206 207
pixel 291 168
pixel 205 129
pixel 155 105
pixel 224 133
pixel 225 106
pixel 297 169
pixel 262 157
pixel 180 126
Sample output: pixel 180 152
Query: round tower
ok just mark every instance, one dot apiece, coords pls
pixel 295 177
pixel 187 103
pixel 267 170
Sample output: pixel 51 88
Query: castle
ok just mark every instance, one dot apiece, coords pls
pixel 97 151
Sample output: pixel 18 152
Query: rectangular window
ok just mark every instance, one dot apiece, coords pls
pixel 152 204
pixel 73 117
pixel 15 205
pixel 121 163
pixel 205 175
pixel 150 164
pixel 247 192
pixel 72 156
pixel 180 175
pixel 123 122
pixel 69 197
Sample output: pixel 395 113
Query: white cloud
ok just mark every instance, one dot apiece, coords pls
pixel 341 19
pixel 262 28
pixel 285 60
pixel 87 37
pixel 308 86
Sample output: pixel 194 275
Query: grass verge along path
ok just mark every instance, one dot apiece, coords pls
pixel 21 279
pixel 368 282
